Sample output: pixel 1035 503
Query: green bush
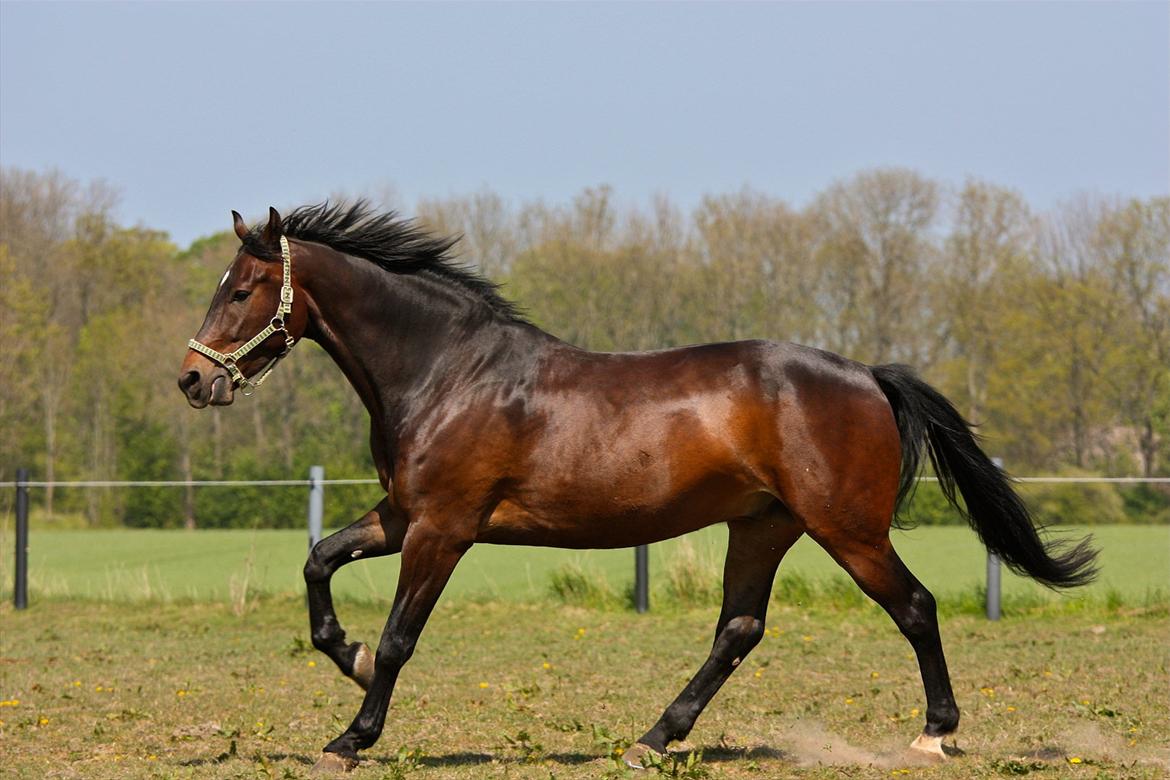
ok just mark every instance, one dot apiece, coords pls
pixel 1078 503
pixel 148 454
pixel 1146 504
pixel 928 506
pixel 693 580
pixel 571 583
pixel 1067 503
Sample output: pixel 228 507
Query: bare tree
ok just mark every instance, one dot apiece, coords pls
pixel 876 244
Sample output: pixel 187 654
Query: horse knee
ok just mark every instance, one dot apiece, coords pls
pixel 316 568
pixel 738 638
pixel 327 635
pixel 394 652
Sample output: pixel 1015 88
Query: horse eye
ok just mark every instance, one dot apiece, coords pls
pixel 240 295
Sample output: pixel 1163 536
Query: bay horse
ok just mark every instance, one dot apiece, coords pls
pixel 486 429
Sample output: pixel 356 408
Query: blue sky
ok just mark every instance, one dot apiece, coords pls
pixel 193 109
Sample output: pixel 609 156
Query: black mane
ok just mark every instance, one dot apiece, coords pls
pixel 395 244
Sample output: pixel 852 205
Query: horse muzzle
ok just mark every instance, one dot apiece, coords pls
pixel 213 387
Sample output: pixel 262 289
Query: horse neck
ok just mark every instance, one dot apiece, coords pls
pixel 397 337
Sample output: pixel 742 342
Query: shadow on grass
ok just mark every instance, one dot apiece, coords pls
pixel 228 755
pixel 465 758
pixel 713 755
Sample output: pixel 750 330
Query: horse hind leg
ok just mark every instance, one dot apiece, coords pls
pixel 379 532
pixel 755 547
pixel 876 568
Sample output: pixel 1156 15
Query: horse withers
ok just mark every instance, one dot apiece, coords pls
pixel 486 429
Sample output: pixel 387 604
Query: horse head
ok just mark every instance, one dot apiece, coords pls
pixel 254 319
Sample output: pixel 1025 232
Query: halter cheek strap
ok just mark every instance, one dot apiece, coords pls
pixel 229 359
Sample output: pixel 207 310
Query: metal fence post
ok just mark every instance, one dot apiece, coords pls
pixel 993 573
pixel 641 578
pixel 316 504
pixel 20 586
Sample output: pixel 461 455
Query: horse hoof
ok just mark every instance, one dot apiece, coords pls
pixel 927 745
pixel 332 764
pixel 363 667
pixel 635 753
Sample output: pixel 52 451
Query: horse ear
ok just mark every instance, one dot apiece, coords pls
pixel 239 225
pixel 273 229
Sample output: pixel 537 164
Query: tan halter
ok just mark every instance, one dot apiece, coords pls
pixel 277 325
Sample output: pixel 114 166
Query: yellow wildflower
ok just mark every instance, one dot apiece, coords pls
pixel 1075 759
pixel 312 664
pixel 484 685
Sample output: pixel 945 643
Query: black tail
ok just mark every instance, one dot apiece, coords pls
pixel 927 420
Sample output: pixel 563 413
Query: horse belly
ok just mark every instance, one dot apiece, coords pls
pixel 601 519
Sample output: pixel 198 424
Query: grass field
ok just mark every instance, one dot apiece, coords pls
pixel 102 690
pixel 163 566
pixel 160 654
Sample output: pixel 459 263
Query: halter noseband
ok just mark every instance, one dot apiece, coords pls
pixel 228 360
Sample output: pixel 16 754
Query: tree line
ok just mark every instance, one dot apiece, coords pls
pixel 1048 328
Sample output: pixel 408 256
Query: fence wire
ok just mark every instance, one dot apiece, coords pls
pixel 105 483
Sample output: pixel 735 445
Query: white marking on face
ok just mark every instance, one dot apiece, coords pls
pixel 225 276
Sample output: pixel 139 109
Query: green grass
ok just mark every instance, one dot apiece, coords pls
pixel 103 690
pixel 215 565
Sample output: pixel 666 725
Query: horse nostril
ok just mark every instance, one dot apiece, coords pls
pixel 188 380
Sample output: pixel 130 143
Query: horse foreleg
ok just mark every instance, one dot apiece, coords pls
pixel 379 532
pixel 754 549
pixel 428 558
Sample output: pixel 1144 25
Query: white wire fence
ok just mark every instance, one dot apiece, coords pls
pixel 316 483
pixel 131 483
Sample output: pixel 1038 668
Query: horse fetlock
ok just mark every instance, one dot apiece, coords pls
pixel 674 726
pixel 942 723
